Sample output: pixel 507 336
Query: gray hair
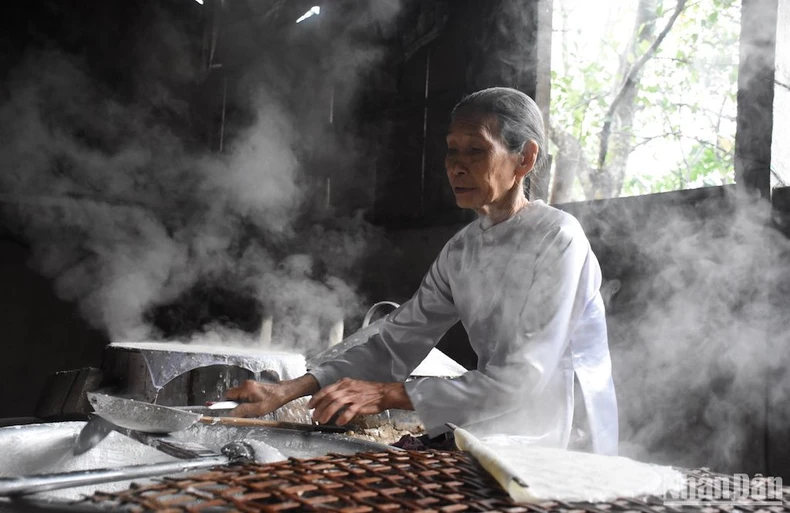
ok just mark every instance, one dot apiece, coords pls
pixel 519 117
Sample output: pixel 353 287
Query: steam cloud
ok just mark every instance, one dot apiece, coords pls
pixel 696 332
pixel 125 214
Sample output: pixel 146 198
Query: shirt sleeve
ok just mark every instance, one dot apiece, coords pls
pixel 519 368
pixel 406 336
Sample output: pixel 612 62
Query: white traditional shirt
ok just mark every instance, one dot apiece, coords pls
pixel 527 290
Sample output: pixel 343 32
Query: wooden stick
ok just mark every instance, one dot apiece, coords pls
pixel 244 422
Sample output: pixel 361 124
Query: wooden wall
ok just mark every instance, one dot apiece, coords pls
pixel 444 51
pixel 40 336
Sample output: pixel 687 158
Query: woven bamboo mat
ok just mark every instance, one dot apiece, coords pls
pixel 428 481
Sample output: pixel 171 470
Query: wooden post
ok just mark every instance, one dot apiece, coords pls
pixel 756 96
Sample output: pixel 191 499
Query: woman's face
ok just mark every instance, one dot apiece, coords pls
pixel 479 166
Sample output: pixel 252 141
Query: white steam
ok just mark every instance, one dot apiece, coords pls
pixel 123 215
pixel 696 333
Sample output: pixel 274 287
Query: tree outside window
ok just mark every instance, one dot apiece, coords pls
pixel 643 96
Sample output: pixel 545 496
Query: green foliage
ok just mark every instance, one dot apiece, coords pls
pixel 683 129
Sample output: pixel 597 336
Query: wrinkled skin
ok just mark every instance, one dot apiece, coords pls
pixel 340 402
pixel 350 397
pixel 484 174
pixel 257 398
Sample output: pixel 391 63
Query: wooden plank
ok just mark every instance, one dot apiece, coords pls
pixel 399 167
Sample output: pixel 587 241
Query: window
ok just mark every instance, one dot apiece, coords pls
pixel 643 96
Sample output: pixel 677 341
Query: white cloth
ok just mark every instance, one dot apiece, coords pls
pixel 532 474
pixel 527 292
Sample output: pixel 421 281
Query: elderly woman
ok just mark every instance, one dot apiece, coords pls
pixel 523 281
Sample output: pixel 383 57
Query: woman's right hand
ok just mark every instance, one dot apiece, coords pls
pixel 258 398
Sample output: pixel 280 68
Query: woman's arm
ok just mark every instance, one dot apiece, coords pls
pixel 406 337
pixel 374 371
pixel 353 396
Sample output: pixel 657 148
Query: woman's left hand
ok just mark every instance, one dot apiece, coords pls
pixel 355 397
